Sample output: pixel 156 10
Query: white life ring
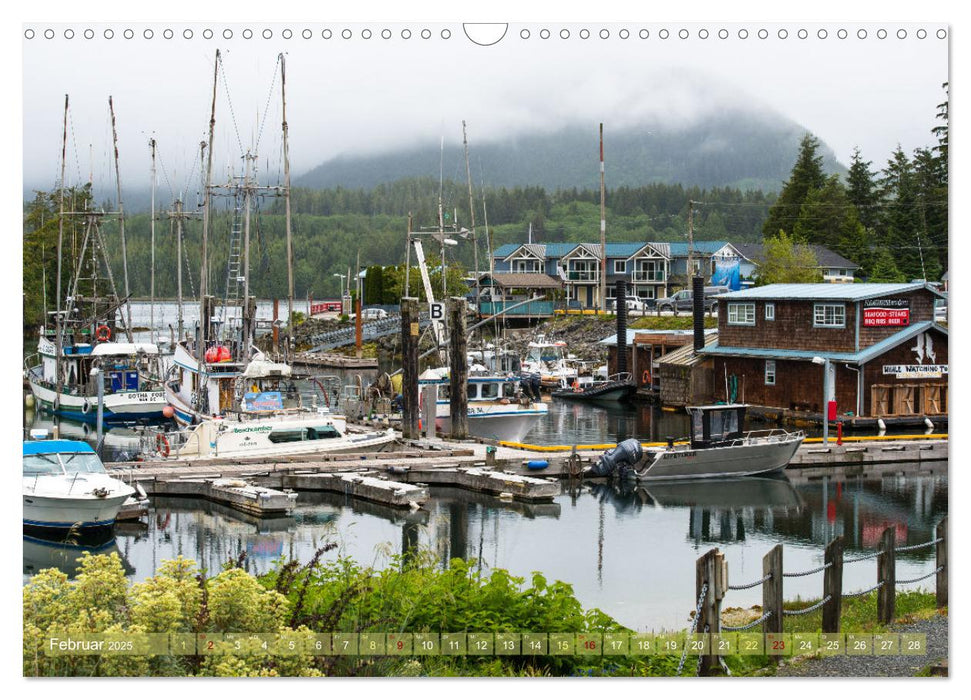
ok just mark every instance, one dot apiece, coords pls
pixel 85 407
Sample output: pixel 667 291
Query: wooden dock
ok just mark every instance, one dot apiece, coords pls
pixel 331 360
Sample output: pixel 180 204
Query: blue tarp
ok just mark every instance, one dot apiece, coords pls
pixel 727 274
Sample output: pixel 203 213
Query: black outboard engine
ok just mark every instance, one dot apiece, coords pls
pixel 620 459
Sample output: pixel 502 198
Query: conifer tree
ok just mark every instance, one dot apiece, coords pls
pixel 807 175
pixel 862 190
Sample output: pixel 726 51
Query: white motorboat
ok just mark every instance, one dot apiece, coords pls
pixel 66 487
pixel 130 372
pixel 718 448
pixel 271 436
pixel 497 406
pixel 550 361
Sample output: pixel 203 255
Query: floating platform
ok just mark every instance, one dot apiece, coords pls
pixel 378 489
pixel 326 359
pixel 235 493
pixel 523 488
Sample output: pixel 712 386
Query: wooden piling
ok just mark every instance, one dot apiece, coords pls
pixel 886 572
pixel 707 570
pixel 941 534
pixel 409 364
pixel 458 369
pixel 833 586
pixel 772 590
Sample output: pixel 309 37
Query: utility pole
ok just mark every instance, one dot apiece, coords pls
pixel 121 223
pixel 691 241
pixel 404 292
pixel 603 229
pixel 475 245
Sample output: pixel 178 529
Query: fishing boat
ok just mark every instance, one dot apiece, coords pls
pixel 66 487
pixel 550 361
pixel 498 408
pixel 617 387
pixel 132 389
pixel 718 447
pixel 268 434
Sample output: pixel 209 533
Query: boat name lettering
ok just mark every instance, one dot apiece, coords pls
pixel 678 455
pixel 254 429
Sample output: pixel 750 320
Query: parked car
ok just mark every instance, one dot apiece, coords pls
pixel 684 300
pixel 640 306
pixel 373 314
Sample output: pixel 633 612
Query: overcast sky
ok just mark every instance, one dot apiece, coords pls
pixel 355 96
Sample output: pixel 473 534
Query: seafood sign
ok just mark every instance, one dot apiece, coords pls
pixel 886 312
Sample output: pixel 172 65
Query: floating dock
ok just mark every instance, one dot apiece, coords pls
pixel 235 493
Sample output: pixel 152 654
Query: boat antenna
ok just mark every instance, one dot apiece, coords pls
pixel 151 308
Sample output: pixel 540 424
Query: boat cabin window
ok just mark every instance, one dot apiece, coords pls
pixel 509 390
pixel 323 432
pixel 41 464
pixel 444 392
pixel 489 391
pixel 277 436
pixel 472 390
pixel 713 425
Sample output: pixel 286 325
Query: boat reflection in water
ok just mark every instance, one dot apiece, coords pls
pixel 40 553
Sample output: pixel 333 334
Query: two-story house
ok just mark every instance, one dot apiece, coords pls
pixel 833 266
pixel 886 355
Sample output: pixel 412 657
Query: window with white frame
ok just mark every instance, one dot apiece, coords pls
pixel 770 372
pixel 620 267
pixel 829 315
pixel 769 311
pixel 741 314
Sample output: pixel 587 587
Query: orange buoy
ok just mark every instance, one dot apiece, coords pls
pixel 168 411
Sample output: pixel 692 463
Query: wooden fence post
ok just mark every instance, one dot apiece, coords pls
pixel 772 590
pixel 833 586
pixel 458 369
pixel 886 572
pixel 708 570
pixel 941 534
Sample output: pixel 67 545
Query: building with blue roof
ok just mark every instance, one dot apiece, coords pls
pixel 651 269
pixel 876 347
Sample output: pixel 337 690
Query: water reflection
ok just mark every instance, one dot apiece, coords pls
pixel 628 549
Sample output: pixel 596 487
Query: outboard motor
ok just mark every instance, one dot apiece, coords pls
pixel 620 459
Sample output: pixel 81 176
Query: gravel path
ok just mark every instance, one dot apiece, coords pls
pixel 878 666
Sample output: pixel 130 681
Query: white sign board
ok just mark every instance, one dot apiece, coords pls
pixel 916 371
pixel 436 311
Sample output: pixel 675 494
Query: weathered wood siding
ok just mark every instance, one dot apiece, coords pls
pixel 793 326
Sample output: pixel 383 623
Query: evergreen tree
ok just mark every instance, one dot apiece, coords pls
pixel 862 191
pixel 784 260
pixel 884 269
pixel 807 175
pixel 829 218
pixel 901 219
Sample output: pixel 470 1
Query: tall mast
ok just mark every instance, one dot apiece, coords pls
pixel 691 242
pixel 60 242
pixel 286 185
pixel 203 280
pixel 151 308
pixel 178 257
pixel 475 245
pixel 603 229
pixel 121 224
pixel 247 202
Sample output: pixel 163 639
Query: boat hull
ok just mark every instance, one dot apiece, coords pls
pixel 612 391
pixel 47 513
pixel 502 427
pixel 745 459
pixel 118 408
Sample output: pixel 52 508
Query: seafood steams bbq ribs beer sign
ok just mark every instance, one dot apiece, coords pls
pixel 886 312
